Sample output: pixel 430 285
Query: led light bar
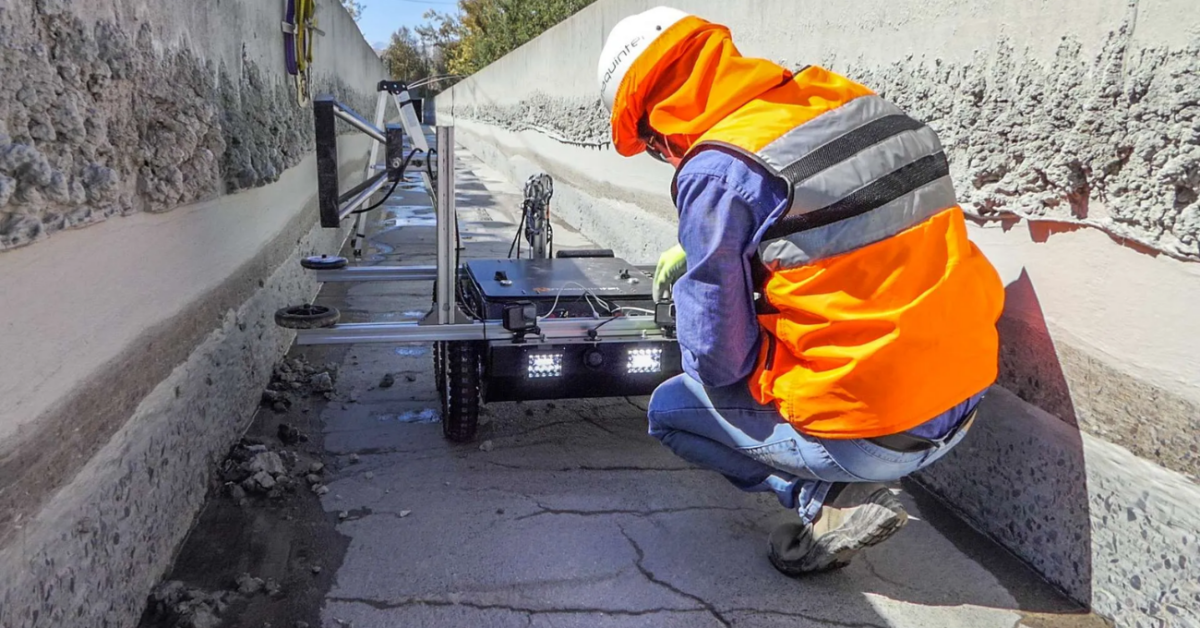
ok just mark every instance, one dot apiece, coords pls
pixel 542 365
pixel 644 360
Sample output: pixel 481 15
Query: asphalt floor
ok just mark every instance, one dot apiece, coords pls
pixel 561 513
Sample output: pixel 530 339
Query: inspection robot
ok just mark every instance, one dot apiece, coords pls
pixel 539 325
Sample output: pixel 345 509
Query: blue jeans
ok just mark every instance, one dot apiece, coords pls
pixel 755 448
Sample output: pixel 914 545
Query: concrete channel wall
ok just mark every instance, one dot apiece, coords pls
pixel 1073 131
pixel 156 193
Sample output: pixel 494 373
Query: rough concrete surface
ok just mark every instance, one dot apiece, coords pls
pixel 1094 142
pixel 130 105
pixel 1097 520
pixel 1108 139
pixel 94 336
pixel 98 488
pixel 1147 420
pixel 92 552
pixel 579 121
pixel 100 117
pixel 563 513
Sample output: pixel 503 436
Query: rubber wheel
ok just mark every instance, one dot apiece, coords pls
pixel 307 317
pixel 439 356
pixel 439 359
pixel 460 399
pixel 324 262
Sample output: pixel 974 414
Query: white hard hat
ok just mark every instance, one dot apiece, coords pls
pixel 628 39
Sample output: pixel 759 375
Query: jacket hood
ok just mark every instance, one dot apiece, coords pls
pixel 687 81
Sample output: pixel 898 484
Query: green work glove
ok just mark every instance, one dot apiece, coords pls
pixel 671 266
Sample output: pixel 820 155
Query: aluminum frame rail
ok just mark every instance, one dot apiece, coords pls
pixel 395 273
pixel 377 273
pixel 336 206
pixel 446 297
pixel 564 330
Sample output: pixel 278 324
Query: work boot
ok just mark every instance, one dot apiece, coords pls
pixel 859 516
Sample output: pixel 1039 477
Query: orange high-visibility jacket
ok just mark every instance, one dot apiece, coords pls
pixel 878 313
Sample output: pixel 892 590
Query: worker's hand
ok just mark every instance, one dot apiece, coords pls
pixel 671 266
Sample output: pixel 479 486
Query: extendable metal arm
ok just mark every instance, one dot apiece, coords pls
pixel 353 119
pixel 378 273
pixel 561 330
pixel 360 194
pixel 334 206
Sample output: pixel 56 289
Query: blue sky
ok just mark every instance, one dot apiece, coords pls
pixel 382 17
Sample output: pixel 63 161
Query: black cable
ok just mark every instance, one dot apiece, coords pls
pixel 395 184
pixel 381 201
pixel 592 332
pixel 517 237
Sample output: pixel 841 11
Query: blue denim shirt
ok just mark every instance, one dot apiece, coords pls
pixel 725 205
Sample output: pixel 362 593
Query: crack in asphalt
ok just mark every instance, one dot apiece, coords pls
pixel 514 467
pixel 528 611
pixel 531 430
pixel 602 428
pixel 875 572
pixel 617 511
pixel 637 405
pixel 718 614
pixel 641 557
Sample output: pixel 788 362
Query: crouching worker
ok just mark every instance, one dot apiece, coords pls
pixel 838 328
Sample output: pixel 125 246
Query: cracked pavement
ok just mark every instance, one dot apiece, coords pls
pixel 576 517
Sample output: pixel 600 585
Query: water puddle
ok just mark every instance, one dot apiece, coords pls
pixel 428 415
pixel 411 315
pixel 408 216
pixel 412 351
pixel 378 250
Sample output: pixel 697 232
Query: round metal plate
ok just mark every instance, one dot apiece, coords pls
pixel 324 262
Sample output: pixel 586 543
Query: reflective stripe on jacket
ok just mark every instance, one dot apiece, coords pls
pixel 878 312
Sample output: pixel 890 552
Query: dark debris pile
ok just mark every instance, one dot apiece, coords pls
pixel 294 379
pixel 173 604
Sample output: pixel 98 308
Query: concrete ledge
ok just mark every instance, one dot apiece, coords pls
pixel 1109 528
pixel 100 488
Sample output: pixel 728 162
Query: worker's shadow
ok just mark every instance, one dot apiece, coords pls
pixel 1022 479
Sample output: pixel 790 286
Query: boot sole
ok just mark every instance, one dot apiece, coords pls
pixel 871 524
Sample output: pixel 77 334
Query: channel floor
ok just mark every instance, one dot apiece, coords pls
pixel 561 514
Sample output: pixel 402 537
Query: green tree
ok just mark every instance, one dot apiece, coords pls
pixel 439 37
pixel 354 8
pixel 405 57
pixel 486 30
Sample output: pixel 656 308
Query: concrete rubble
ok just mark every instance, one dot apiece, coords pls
pixel 252 468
